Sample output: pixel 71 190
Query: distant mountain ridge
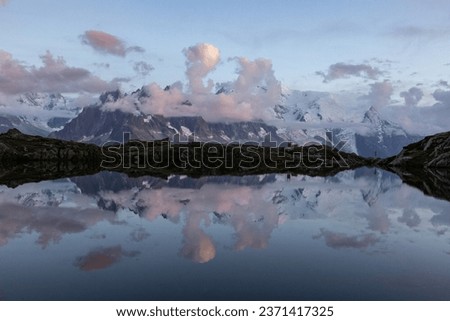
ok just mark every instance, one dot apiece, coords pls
pixel 369 136
pixel 94 125
pixel 300 117
pixel 37 113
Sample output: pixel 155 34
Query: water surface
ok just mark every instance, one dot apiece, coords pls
pixel 359 235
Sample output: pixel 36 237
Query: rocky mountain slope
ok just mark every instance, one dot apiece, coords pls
pixel 425 165
pixel 96 126
pixel 99 126
pixel 300 117
pixel 431 152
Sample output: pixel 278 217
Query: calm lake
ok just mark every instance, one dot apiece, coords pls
pixel 359 235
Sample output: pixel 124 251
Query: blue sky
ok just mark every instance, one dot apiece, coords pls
pixel 407 43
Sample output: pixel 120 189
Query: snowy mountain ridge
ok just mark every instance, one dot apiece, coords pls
pixel 300 116
pixel 310 115
pixel 37 113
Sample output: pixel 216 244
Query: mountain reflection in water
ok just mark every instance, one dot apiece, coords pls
pixel 358 235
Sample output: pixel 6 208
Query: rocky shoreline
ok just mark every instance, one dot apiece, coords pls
pixel 48 156
pixel 25 158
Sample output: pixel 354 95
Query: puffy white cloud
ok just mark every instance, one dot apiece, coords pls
pixel 197 245
pixel 201 60
pixel 248 97
pixel 242 207
pixel 251 95
pixel 166 101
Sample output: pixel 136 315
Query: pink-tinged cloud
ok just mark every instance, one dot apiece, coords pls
pixel 53 76
pixel 102 258
pixel 3 2
pixel 247 210
pixel 197 245
pixel 49 223
pixel 201 60
pixel 249 97
pixel 107 43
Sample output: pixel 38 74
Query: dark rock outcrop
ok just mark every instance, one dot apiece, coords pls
pixel 431 181
pixel 424 165
pixel 19 148
pixel 26 158
pixel 431 152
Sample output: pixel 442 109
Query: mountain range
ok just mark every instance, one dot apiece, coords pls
pixel 37 113
pixel 301 117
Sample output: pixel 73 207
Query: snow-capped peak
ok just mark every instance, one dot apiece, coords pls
pixel 381 126
pixel 372 116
